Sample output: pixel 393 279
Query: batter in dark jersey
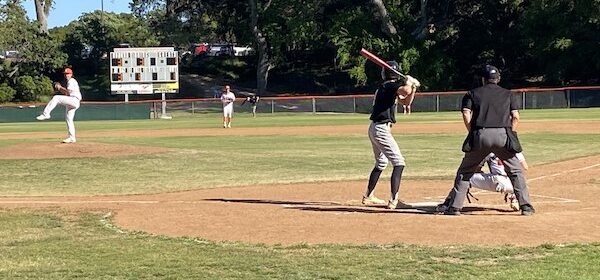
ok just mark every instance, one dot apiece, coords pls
pixel 385 148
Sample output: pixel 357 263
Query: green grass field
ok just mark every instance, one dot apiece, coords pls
pixel 57 244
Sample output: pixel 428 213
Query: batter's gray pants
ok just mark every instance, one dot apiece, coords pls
pixel 485 141
pixel 385 148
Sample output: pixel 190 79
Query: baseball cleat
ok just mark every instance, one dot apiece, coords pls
pixel 441 208
pixel 452 211
pixel 395 204
pixel 512 201
pixel 527 210
pixel 42 117
pixel 372 200
pixel 392 204
pixel 69 140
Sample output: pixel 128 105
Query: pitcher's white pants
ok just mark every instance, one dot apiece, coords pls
pixel 71 105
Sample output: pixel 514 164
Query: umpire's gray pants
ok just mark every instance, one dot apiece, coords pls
pixel 485 141
pixel 385 148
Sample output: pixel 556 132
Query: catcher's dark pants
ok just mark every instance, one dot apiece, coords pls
pixel 485 141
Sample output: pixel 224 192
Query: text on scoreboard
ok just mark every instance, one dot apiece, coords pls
pixel 144 70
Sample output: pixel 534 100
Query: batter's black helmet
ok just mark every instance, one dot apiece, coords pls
pixel 387 74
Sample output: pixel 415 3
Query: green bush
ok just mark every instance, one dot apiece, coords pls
pixel 6 93
pixel 33 88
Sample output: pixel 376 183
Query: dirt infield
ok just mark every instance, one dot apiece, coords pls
pixel 78 150
pixel 564 194
pixel 587 126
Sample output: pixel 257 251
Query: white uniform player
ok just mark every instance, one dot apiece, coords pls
pixel 497 180
pixel 70 98
pixel 227 98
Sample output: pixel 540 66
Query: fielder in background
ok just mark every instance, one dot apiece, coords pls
pixel 385 148
pixel 70 97
pixel 252 100
pixel 227 99
pixel 407 102
pixel 490 114
pixel 497 180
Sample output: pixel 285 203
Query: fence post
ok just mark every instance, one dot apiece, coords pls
pixel 437 103
pixel 314 106
pixel 155 110
pixel 568 98
pixel 523 95
pixel 272 106
pixel 192 107
pixel 353 104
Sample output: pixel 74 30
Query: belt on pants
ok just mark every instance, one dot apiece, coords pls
pixel 384 123
pixel 483 128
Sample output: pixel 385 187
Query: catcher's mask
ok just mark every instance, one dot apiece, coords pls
pixel 387 74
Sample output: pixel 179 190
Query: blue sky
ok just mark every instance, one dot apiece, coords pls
pixel 65 11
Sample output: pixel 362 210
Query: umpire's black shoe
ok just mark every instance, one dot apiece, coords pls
pixel 452 211
pixel 527 210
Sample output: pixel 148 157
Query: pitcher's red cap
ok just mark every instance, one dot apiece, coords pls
pixel 68 71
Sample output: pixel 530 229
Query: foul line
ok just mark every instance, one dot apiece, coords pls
pixel 559 199
pixel 563 172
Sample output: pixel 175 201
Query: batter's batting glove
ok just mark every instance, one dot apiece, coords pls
pixel 412 81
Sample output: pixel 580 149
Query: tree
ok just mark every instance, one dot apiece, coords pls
pixel 264 66
pixel 102 32
pixel 38 54
pixel 387 26
pixel 42 10
pixel 6 93
pixel 562 41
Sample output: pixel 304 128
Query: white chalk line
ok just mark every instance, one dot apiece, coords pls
pixel 563 172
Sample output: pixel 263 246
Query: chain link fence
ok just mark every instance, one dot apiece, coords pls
pixel 581 97
pixel 571 97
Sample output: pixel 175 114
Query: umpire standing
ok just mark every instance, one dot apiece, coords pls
pixel 490 113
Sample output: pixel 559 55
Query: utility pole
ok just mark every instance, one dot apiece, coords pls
pixel 102 14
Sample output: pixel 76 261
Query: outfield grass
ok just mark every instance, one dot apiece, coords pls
pixel 53 244
pixel 275 120
pixel 222 161
pixel 198 162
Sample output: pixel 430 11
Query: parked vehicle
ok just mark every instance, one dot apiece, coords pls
pixel 199 48
pixel 123 45
pixel 220 50
pixel 11 54
pixel 243 51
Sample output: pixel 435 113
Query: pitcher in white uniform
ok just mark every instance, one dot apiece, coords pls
pixel 70 97
pixel 227 98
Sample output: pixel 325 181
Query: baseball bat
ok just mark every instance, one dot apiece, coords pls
pixel 379 61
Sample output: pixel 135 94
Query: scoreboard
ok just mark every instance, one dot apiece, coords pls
pixel 144 70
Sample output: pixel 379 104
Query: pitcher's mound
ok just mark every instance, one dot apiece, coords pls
pixel 76 150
